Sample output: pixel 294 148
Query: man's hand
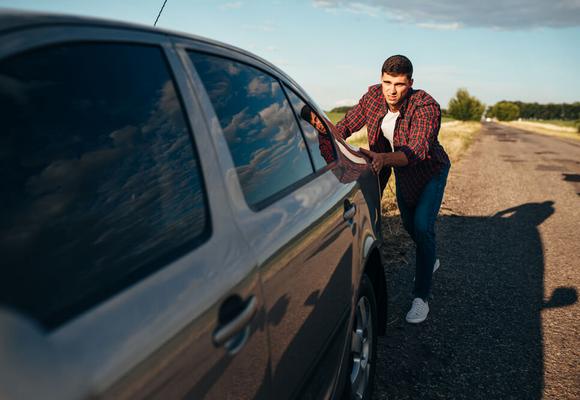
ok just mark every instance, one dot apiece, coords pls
pixel 377 160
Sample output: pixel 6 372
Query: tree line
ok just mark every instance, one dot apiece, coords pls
pixel 466 107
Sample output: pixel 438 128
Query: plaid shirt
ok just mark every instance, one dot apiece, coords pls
pixel 416 132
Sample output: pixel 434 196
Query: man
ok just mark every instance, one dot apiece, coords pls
pixel 324 144
pixel 308 115
pixel 403 126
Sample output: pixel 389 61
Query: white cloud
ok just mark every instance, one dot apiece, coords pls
pixel 323 3
pixel 361 8
pixel 258 86
pixel 242 120
pixel 231 6
pixel 450 14
pixel 453 26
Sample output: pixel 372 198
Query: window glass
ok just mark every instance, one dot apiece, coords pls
pixel 100 180
pixel 315 131
pixel 260 128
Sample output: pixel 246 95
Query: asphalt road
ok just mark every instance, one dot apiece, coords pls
pixel 505 315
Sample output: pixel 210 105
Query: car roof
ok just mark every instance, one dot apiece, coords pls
pixel 14 20
pixel 11 19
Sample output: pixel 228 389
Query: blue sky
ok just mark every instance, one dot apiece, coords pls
pixel 524 50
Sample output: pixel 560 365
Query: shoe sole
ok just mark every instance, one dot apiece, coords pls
pixel 415 321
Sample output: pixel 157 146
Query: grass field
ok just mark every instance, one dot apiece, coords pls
pixel 334 116
pixel 557 122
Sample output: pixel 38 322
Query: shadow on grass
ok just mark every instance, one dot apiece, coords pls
pixel 483 336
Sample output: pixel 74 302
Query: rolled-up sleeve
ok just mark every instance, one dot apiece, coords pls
pixel 354 120
pixel 422 133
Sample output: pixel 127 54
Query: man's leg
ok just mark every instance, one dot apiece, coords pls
pixel 424 229
pixel 407 214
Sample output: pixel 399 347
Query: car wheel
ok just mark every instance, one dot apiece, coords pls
pixel 363 342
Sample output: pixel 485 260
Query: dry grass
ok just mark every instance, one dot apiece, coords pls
pixel 457 136
pixel 359 138
pixel 545 128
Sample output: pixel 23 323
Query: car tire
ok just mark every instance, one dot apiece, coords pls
pixel 363 345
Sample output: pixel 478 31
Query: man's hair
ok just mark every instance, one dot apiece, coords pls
pixel 398 65
pixel 305 113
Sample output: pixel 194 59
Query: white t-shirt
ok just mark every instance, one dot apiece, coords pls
pixel 388 126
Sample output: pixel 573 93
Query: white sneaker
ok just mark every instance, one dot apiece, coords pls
pixel 418 311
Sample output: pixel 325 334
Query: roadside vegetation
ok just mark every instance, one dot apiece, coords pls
pixel 557 128
pixel 465 107
pixel 562 120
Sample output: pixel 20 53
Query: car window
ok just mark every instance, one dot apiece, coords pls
pixel 259 125
pixel 101 182
pixel 316 132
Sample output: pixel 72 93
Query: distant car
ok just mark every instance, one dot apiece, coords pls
pixel 172 228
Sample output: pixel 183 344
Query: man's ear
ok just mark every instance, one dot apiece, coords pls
pixel 411 83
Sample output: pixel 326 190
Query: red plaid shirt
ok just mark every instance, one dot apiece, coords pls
pixel 416 132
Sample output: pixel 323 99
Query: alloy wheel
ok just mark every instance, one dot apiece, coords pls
pixel 361 348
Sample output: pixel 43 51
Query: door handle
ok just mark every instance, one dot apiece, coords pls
pixel 226 334
pixel 349 210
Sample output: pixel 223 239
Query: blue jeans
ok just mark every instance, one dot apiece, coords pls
pixel 419 222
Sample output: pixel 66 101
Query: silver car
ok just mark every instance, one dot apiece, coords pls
pixel 179 220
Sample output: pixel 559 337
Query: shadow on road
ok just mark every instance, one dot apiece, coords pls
pixel 483 337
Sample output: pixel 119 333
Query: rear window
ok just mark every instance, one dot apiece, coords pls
pixel 100 180
pixel 259 125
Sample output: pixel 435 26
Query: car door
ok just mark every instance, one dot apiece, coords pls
pixel 123 275
pixel 297 216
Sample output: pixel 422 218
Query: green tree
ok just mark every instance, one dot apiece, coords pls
pixel 465 107
pixel 506 111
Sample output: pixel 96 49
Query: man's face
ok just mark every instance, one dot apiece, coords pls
pixel 316 123
pixel 395 88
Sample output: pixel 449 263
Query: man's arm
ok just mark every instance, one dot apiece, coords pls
pixel 379 161
pixel 354 120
